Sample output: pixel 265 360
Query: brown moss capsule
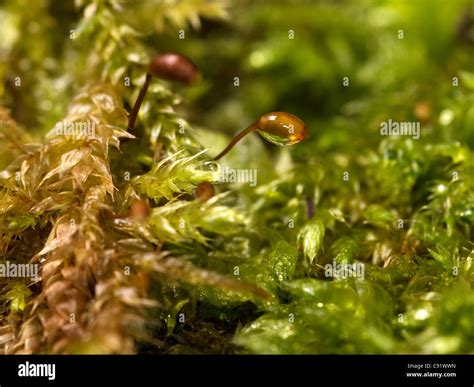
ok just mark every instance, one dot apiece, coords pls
pixel 204 191
pixel 279 128
pixel 174 67
pixel 140 210
pixel 422 111
pixel 169 66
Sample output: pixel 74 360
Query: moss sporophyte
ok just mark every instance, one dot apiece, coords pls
pixel 279 128
pixel 168 66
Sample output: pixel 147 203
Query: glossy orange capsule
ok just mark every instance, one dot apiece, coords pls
pixel 279 128
pixel 282 128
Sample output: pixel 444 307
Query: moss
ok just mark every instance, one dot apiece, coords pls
pixel 350 242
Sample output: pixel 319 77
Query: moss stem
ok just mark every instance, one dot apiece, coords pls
pixel 138 102
pixel 236 139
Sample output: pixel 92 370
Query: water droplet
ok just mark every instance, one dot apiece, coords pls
pixel 278 140
pixel 212 165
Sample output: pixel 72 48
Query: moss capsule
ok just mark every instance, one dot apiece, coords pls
pixel 204 191
pixel 169 66
pixel 282 128
pixel 140 210
pixel 279 128
pixel 174 67
pixel 422 111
